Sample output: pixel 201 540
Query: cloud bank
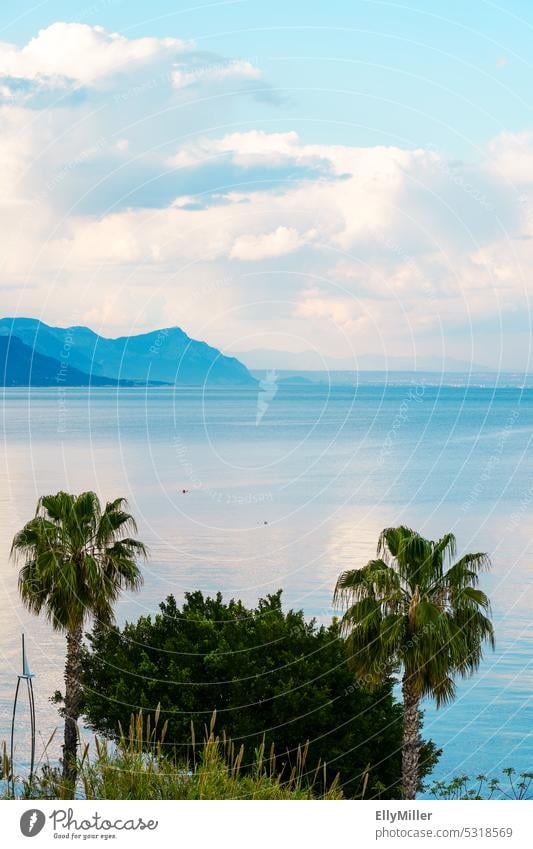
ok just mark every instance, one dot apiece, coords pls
pixel 135 194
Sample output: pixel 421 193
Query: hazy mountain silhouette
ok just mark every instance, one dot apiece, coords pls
pixel 168 355
pixel 260 359
pixel 20 365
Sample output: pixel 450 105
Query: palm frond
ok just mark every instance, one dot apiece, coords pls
pixel 73 561
pixel 415 608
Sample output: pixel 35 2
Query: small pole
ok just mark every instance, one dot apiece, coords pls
pixel 13 736
pixel 25 676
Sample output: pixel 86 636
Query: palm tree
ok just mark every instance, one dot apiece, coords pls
pixel 75 562
pixel 416 610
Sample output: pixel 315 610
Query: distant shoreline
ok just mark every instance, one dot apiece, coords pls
pixel 315 380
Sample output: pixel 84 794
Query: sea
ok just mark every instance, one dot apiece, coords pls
pixel 285 485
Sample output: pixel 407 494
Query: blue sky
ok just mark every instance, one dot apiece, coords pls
pixel 450 73
pixel 345 177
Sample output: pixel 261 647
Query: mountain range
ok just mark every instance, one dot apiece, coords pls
pixel 33 353
pixel 260 359
pixel 21 366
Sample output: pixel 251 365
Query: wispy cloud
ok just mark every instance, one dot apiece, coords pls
pixel 111 182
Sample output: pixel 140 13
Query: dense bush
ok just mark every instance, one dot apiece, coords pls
pixel 269 675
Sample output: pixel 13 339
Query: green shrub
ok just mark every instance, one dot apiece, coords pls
pixel 271 676
pixel 512 785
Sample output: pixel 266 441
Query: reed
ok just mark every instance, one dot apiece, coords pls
pixel 139 766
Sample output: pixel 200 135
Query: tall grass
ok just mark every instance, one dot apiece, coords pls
pixel 138 767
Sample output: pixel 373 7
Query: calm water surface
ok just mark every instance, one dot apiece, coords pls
pixel 286 489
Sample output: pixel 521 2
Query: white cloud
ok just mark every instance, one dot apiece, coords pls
pixel 511 156
pixel 342 311
pixel 366 237
pixel 82 53
pixel 244 149
pixel 374 165
pixel 281 241
pixel 237 69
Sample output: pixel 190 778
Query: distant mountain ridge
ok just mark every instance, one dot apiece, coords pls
pixel 261 359
pixel 22 366
pixel 167 355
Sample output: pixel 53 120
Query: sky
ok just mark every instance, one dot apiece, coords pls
pixel 346 178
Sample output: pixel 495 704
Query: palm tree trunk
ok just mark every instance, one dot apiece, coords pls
pixel 411 738
pixel 72 705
